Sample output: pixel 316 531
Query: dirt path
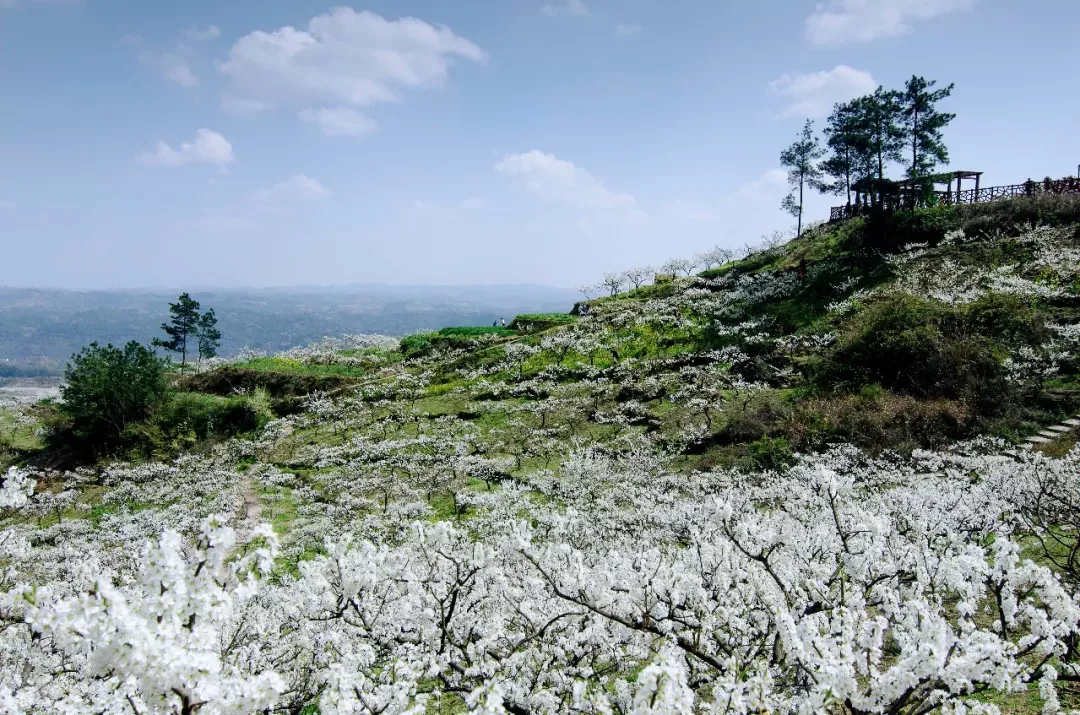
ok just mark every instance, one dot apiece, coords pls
pixel 252 509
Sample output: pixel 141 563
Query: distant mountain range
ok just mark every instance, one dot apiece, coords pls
pixel 41 328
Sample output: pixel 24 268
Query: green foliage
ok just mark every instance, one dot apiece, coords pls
pixel 475 331
pixel 771 453
pixel 887 231
pixel 921 348
pixel 1012 215
pixel 203 416
pixel 106 391
pixel 209 335
pixel 923 124
pixel 183 324
pixel 459 338
pixel 416 345
pixel 535 322
pixel 803 162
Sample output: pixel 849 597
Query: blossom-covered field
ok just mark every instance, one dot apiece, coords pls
pixel 845 583
pixel 566 520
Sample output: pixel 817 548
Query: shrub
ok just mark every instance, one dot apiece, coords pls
pixel 471 332
pixel 416 345
pixel 771 453
pixel 917 347
pixel 106 390
pixel 532 322
pixel 205 416
pixel 889 231
pixel 877 420
pixel 1013 214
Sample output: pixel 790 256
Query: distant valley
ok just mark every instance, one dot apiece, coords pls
pixel 41 328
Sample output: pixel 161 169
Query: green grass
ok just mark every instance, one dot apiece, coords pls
pixel 475 331
pixel 17 436
pixel 295 367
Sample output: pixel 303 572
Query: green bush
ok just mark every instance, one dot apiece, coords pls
pixel 532 322
pixel 889 231
pixel 416 345
pixel 771 453
pixel 916 347
pixel 472 332
pixel 107 390
pixel 1008 318
pixel 205 416
pixel 1010 215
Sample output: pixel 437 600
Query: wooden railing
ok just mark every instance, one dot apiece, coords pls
pixel 889 203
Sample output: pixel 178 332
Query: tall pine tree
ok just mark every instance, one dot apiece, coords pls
pixel 209 335
pixel 879 116
pixel 847 136
pixel 183 324
pixel 802 160
pixel 922 124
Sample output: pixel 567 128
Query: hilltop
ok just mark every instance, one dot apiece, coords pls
pixel 791 482
pixel 899 333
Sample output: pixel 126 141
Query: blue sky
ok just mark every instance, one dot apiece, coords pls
pixel 273 142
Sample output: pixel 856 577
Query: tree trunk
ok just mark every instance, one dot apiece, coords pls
pixel 799 232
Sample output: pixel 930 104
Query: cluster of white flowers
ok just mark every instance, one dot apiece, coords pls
pixel 845 583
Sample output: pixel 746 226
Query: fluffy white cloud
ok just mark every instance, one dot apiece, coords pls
pixel 210 33
pixel 556 180
pixel 180 73
pixel 296 188
pixel 208 147
pixel 622 30
pixel 343 57
pixel 340 121
pixel 570 8
pixel 837 22
pixel 814 94
pixel 173 66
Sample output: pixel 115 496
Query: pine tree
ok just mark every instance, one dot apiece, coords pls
pixel 847 136
pixel 802 160
pixel 184 324
pixel 878 115
pixel 922 124
pixel 209 335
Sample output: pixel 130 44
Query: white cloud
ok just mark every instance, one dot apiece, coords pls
pixel 343 57
pixel 813 95
pixel 837 22
pixel 179 73
pixel 296 188
pixel 772 183
pixel 622 30
pixel 570 8
pixel 341 121
pixel 560 181
pixel 208 147
pixel 172 66
pixel 210 33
